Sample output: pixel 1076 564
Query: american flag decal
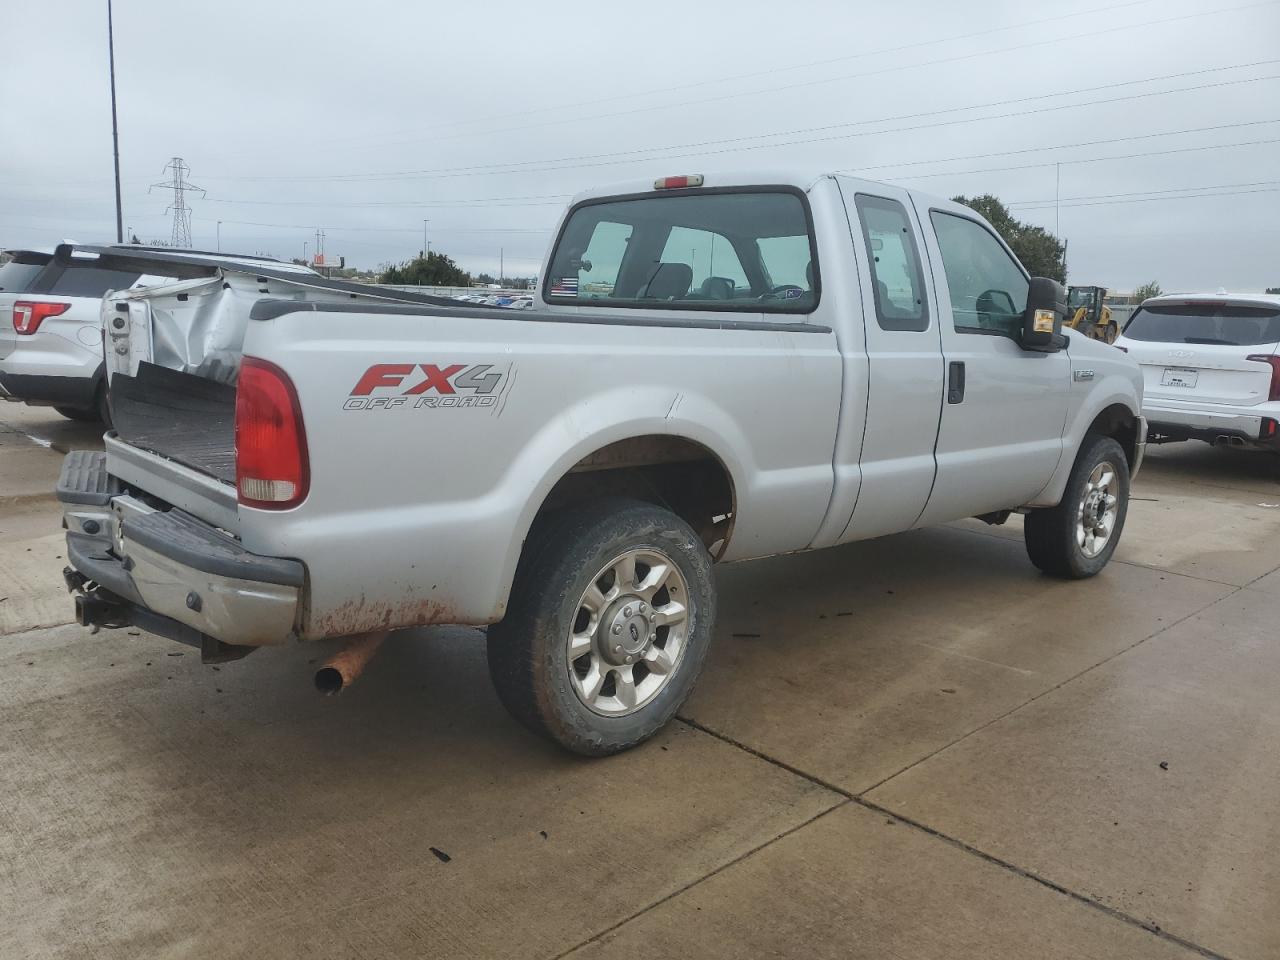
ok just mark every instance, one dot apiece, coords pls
pixel 565 287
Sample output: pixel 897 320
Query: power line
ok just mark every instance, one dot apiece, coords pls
pixel 1121 156
pixel 413 230
pixel 684 87
pixel 1189 196
pixel 568 163
pixel 686 102
pixel 1070 146
pixel 540 201
pixel 1141 193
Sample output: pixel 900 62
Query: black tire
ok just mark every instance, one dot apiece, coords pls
pixel 1051 534
pixel 528 650
pixel 80 414
pixel 104 406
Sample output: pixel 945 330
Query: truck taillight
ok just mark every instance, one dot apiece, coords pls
pixel 271 445
pixel 29 314
pixel 1274 362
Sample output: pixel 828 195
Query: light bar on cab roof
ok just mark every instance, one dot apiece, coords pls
pixel 675 183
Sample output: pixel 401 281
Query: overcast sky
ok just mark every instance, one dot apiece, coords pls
pixel 365 118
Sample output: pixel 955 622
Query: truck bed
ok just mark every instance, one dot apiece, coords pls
pixel 179 416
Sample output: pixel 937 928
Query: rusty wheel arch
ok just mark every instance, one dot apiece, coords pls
pixel 674 472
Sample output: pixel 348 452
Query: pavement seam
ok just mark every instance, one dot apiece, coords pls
pixel 861 801
pixel 1053 689
pixel 1112 912
pixel 839 805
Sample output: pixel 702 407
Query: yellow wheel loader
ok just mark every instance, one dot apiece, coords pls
pixel 1087 313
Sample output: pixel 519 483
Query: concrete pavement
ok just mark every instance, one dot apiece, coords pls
pixel 916 747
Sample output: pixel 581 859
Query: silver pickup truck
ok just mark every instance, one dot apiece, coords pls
pixel 719 368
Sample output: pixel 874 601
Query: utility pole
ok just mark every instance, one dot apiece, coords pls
pixel 304 250
pixel 426 244
pixel 178 183
pixel 115 131
pixel 219 236
pixel 502 270
pixel 1057 189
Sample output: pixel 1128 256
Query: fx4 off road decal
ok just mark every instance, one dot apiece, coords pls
pixel 432 386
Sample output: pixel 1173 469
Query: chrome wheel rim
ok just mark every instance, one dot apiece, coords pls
pixel 1098 510
pixel 629 632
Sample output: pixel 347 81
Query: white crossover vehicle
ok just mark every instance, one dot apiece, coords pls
pixel 51 353
pixel 1210 367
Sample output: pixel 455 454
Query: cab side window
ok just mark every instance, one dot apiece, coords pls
pixel 988 288
pixel 895 264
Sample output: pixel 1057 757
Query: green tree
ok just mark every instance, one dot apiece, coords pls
pixel 1273 289
pixel 1146 291
pixel 1043 254
pixel 433 270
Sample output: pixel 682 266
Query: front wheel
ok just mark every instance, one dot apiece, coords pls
pixel 1076 538
pixel 608 626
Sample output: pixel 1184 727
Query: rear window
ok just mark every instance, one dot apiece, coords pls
pixel 742 250
pixel 16 275
pixel 87 281
pixel 1228 324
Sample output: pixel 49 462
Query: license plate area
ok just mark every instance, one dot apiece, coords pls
pixel 1179 377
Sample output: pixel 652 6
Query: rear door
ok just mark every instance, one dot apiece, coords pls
pixel 904 356
pixel 1198 350
pixel 1000 437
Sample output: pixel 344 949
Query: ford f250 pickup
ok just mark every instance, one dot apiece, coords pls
pixel 720 368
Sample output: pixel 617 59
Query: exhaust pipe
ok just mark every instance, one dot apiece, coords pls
pixel 1226 440
pixel 344 667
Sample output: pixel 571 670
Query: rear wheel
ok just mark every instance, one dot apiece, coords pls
pixel 100 412
pixel 79 414
pixel 1076 538
pixel 608 626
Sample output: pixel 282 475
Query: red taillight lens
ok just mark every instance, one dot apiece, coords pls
pixel 29 314
pixel 271 445
pixel 1274 363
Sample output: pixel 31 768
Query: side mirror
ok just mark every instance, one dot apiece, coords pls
pixel 1042 321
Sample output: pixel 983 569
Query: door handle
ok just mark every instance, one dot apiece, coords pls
pixel 955 381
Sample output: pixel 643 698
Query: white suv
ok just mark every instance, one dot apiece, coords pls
pixel 1210 367
pixel 51 329
pixel 51 353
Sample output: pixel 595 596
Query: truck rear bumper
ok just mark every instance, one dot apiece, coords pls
pixel 52 390
pixel 167 571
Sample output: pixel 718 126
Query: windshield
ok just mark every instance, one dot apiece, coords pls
pixel 1079 297
pixel 748 251
pixel 1228 324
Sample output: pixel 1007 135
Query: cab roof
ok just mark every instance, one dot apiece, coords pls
pixel 802 178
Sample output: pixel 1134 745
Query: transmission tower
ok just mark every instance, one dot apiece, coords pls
pixel 177 169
